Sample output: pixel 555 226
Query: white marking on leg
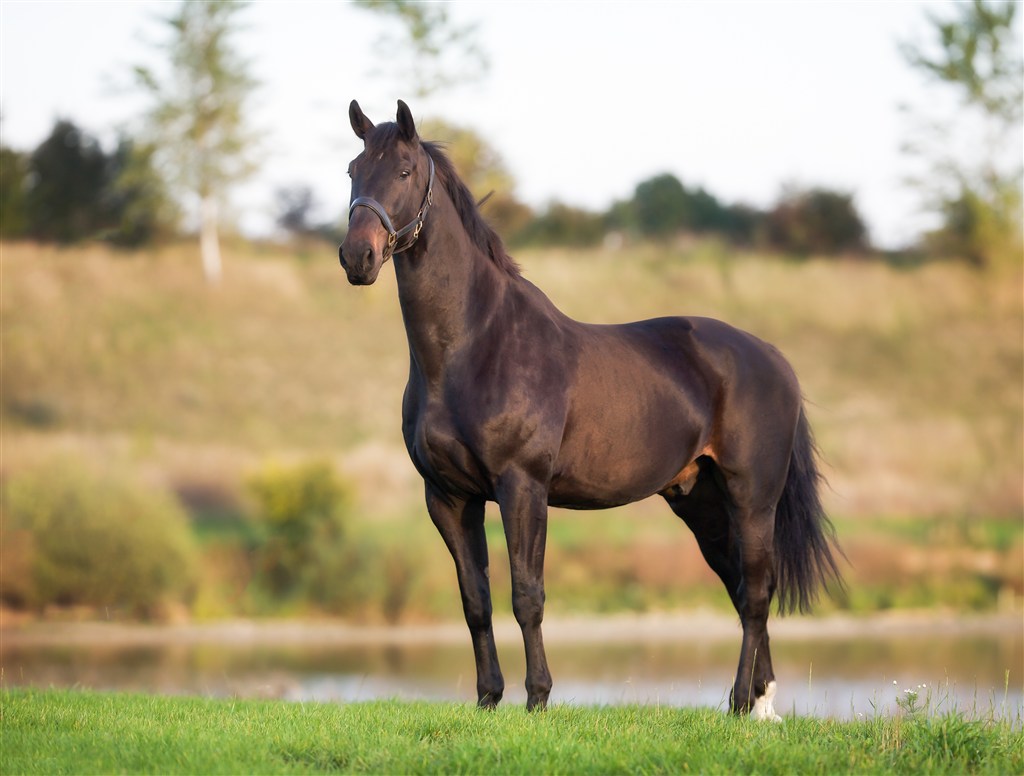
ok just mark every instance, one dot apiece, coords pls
pixel 764 708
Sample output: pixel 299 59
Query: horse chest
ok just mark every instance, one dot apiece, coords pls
pixel 441 456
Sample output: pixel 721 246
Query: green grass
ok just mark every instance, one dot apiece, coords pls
pixel 74 732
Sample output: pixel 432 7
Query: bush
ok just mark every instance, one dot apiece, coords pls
pixel 562 225
pixel 75 537
pixel 310 555
pixel 302 510
pixel 815 221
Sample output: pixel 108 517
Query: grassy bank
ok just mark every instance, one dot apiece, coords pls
pixel 914 378
pixel 69 732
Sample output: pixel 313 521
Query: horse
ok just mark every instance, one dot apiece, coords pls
pixel 509 400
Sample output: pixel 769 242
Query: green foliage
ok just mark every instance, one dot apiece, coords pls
pixel 815 221
pixel 13 185
pixel 562 225
pixel 978 55
pixel 663 206
pixel 67 177
pixel 974 182
pixel 484 172
pixel 311 552
pixel 72 732
pixel 980 224
pixel 303 509
pixel 69 189
pixel 143 213
pixel 74 536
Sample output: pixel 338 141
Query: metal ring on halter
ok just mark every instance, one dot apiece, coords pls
pixel 414 226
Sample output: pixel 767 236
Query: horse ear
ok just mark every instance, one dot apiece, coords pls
pixel 406 126
pixel 360 124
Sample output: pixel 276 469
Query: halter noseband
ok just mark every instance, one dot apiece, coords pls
pixel 413 226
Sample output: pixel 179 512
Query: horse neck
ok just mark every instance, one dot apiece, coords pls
pixel 446 284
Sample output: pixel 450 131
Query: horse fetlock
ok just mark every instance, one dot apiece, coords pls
pixel 764 705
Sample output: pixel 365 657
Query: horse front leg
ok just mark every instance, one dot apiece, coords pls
pixel 524 515
pixel 461 525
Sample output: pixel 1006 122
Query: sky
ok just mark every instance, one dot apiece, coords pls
pixel 583 100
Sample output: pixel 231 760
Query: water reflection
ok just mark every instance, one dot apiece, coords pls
pixel 838 677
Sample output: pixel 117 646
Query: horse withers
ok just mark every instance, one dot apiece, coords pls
pixel 511 401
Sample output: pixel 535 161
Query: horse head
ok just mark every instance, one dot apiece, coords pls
pixel 392 182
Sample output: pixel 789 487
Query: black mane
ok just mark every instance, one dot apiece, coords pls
pixel 480 232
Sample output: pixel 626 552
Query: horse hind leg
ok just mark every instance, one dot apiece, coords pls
pixel 752 508
pixel 754 689
pixel 699 500
pixel 733 552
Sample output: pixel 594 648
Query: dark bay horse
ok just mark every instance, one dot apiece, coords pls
pixel 509 400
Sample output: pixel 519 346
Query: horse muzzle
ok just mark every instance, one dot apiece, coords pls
pixel 361 260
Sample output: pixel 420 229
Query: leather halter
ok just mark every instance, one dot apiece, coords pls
pixel 413 226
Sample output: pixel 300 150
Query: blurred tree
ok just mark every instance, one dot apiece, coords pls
pixel 199 114
pixel 815 221
pixel 13 186
pixel 978 54
pixel 483 171
pixel 67 176
pixel 141 209
pixel 660 205
pixel 437 53
pixel 740 223
pixel 294 206
pixel 69 189
pixel 974 186
pixel 562 224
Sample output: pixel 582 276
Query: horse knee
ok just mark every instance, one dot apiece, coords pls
pixel 528 604
pixel 478 613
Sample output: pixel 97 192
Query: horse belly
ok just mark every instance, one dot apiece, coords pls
pixel 614 459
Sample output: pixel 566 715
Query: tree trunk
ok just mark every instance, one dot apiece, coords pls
pixel 209 244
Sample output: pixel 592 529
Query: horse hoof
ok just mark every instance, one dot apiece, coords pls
pixel 488 702
pixel 764 707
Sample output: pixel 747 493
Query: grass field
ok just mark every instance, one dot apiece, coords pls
pixel 914 378
pixel 74 732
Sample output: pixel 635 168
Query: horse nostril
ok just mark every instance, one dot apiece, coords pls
pixel 341 255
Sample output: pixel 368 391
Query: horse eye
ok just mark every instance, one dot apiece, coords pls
pixel 404 174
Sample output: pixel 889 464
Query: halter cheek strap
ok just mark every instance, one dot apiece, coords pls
pixel 413 227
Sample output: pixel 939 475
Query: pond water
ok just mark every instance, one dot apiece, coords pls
pixel 829 668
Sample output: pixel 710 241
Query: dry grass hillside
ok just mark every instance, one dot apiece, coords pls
pixel 914 377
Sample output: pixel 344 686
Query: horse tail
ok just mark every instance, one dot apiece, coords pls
pixel 804 536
